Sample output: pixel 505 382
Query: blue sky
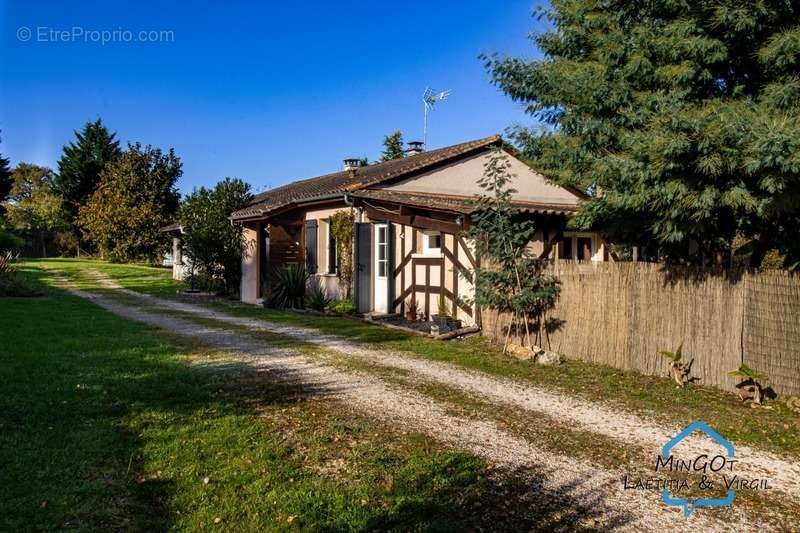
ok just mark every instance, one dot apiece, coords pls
pixel 268 92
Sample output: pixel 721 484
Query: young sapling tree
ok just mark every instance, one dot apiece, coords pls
pixel 509 277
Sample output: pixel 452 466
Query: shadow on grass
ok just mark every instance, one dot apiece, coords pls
pixel 105 428
pixel 431 489
pixel 80 388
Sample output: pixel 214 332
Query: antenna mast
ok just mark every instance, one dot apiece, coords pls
pixel 429 98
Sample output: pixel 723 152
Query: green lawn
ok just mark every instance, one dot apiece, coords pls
pixel 105 425
pixel 776 428
pixel 143 278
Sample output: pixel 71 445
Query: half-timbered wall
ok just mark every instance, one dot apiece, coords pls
pixel 420 278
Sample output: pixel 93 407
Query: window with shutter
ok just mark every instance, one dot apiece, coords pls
pixel 311 246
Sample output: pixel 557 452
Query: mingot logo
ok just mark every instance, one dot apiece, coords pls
pixel 700 464
pixel 678 478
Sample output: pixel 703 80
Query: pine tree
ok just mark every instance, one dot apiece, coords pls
pixel 681 118
pixel 393 146
pixel 80 166
pixel 6 180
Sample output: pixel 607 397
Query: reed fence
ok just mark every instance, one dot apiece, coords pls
pixel 625 314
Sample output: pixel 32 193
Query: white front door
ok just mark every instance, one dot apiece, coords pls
pixel 381 268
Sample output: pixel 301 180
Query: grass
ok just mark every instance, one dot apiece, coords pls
pixel 107 425
pixel 143 278
pixel 776 429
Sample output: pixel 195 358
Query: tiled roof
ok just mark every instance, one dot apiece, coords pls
pixel 328 185
pixel 456 204
pixel 423 200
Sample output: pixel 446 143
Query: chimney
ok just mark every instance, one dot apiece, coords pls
pixel 415 147
pixel 351 163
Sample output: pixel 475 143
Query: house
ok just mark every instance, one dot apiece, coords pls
pixel 410 213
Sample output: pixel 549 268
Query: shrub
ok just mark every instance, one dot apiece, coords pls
pixel 342 228
pixel 9 240
pixel 289 287
pixel 11 283
pixel 679 369
pixel 205 282
pixel 751 386
pixel 213 243
pixel 509 278
pixel 317 298
pixel 442 309
pixel 344 306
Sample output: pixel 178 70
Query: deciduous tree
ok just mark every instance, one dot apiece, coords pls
pixel 136 196
pixel 680 118
pixel 211 240
pixel 509 277
pixel 33 209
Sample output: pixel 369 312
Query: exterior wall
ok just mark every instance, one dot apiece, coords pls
pixel 250 265
pixel 461 179
pixel 328 280
pixel 420 278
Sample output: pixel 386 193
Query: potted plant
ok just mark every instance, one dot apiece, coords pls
pixel 443 317
pixel 411 309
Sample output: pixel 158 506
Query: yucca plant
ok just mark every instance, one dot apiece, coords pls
pixel 679 369
pixel 751 383
pixel 289 286
pixel 6 267
pixel 317 298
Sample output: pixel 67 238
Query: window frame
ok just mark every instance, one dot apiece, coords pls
pixel 426 248
pixel 382 263
pixel 574 236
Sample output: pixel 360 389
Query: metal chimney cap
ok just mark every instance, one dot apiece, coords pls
pixel 352 162
pixel 415 147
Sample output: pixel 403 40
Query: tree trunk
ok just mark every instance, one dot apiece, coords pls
pixel 508 331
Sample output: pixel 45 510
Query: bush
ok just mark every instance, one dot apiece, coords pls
pixel 11 283
pixel 317 297
pixel 344 306
pixel 9 240
pixel 211 241
pixel 205 282
pixel 288 287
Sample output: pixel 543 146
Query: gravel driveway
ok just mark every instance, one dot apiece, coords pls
pixel 595 490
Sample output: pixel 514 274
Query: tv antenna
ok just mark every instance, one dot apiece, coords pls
pixel 429 98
